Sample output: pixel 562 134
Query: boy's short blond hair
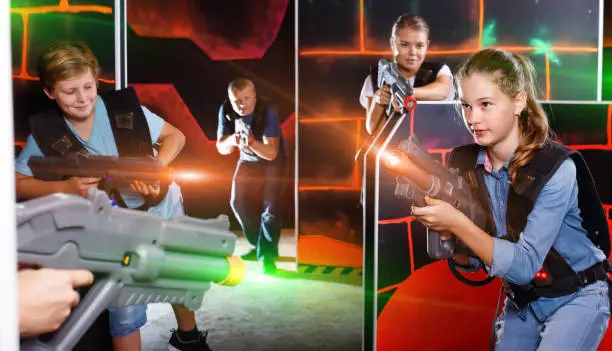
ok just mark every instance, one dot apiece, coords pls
pixel 66 60
pixel 240 84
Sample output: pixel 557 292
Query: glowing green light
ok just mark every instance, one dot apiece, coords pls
pixel 488 34
pixel 544 47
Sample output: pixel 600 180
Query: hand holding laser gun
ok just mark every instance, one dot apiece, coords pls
pixel 116 171
pixel 418 176
pixel 143 174
pixel 401 90
pixel 136 257
pixel 244 132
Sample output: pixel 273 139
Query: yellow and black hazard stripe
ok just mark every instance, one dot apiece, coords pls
pixel 329 270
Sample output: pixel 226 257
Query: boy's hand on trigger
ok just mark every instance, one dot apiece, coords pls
pixel 80 186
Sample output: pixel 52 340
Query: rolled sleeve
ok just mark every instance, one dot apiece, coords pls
pixel 224 127
pixel 272 128
pixel 519 262
pixel 30 149
pixel 503 255
pixel 445 71
pixel 367 91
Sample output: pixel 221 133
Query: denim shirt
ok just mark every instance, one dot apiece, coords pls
pixel 555 221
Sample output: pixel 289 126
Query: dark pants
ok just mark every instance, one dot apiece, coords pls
pixel 255 194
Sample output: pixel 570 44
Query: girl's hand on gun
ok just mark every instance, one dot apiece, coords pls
pixel 438 215
pixel 382 96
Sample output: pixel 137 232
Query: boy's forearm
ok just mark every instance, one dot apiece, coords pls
pixel 265 151
pixel 171 146
pixel 29 187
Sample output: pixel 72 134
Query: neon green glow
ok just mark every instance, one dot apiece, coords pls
pixel 545 47
pixel 488 35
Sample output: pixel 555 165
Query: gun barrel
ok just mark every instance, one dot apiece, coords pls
pixel 126 169
pixel 421 157
pixel 400 164
pixel 150 262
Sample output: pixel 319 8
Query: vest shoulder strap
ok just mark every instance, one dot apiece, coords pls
pixel 530 179
pixel 52 134
pixel 128 122
pixel 464 157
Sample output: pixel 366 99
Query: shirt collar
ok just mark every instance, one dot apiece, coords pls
pixel 483 160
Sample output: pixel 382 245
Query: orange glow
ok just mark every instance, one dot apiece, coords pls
pixel 607 146
pixel 320 249
pixel 410 247
pixel 24 77
pixel 547 76
pixel 396 220
pixel 363 52
pixel 388 288
pixel 24 46
pixel 408 221
pixel 187 176
pixel 393 160
pixel 361 27
pixel 480 23
pixel 331 119
pixel 355 167
pixel 355 181
pixel 325 188
pixel 28 77
pixel 63 7
pixel 443 152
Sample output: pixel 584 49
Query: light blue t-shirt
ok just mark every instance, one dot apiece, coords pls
pixel 102 143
